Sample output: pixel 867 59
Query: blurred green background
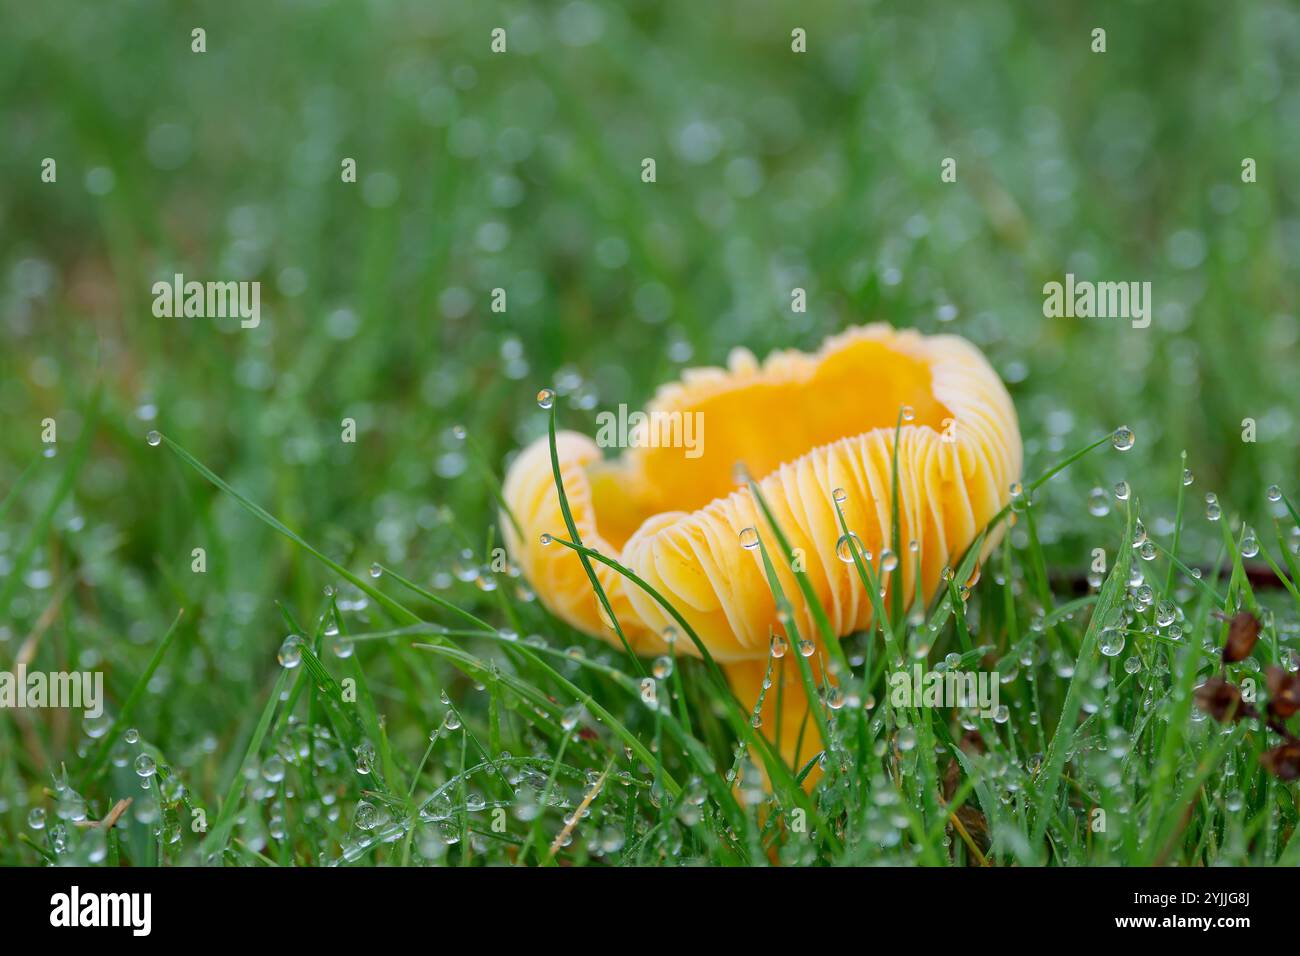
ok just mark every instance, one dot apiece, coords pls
pixel 522 171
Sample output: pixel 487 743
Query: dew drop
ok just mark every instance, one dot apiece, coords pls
pixel 847 544
pixel 1249 544
pixel 1123 438
pixel 839 495
pixel 154 438
pixel 570 718
pixel 749 538
pixel 1166 612
pixel 290 653
pixel 546 398
pixel 366 816
pixel 1274 493
pixel 376 570
pixel 1122 490
pixel 1098 503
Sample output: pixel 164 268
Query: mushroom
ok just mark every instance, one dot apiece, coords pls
pixel 806 427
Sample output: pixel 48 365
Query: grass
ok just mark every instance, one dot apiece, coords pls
pixel 437 713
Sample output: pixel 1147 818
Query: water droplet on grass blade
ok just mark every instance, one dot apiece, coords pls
pixel 1249 544
pixel 290 653
pixel 1122 490
pixel 366 816
pixel 272 769
pixel 569 719
pixel 1123 438
pixel 154 438
pixel 847 545
pixel 1274 493
pixel 1166 612
pixel 546 398
pixel 365 752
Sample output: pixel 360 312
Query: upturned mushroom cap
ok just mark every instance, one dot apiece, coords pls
pixel 803 425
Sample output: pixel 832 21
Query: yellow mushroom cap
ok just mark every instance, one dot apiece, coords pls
pixel 803 425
